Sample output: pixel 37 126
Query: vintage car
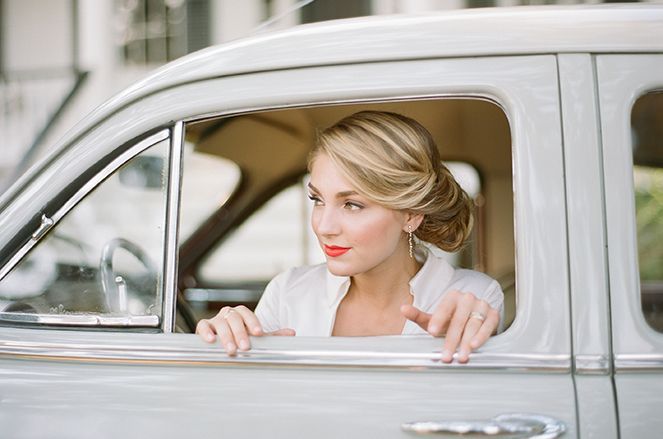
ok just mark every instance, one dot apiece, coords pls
pixel 186 192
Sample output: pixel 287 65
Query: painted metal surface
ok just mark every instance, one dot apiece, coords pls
pixel 587 258
pixel 638 348
pixel 75 400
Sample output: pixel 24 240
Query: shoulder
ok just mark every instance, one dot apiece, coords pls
pixel 471 280
pixel 298 277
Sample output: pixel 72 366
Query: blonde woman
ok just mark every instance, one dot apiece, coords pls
pixel 378 188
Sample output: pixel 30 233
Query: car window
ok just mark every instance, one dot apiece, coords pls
pixel 101 264
pixel 647 131
pixel 263 227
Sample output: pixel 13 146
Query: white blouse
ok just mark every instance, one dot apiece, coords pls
pixel 306 298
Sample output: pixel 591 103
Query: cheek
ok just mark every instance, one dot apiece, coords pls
pixel 374 231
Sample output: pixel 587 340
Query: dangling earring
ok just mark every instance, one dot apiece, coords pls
pixel 410 241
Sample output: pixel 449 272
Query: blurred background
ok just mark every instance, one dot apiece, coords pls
pixel 59 59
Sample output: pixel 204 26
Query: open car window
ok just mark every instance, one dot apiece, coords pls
pixel 101 264
pixel 264 227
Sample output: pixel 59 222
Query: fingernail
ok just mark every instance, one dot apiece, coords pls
pixel 433 329
pixel 230 347
pixel 446 355
pixel 474 343
pixel 244 345
pixel 463 354
pixel 257 330
pixel 209 337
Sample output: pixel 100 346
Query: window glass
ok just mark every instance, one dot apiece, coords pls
pixel 104 258
pixel 647 129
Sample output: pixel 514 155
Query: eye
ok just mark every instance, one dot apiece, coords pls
pixel 316 200
pixel 351 205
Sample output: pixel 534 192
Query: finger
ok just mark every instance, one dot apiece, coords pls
pixel 472 326
pixel 206 331
pixel 237 327
pixel 250 320
pixel 416 315
pixel 285 332
pixel 457 326
pixel 226 336
pixel 487 329
pixel 441 317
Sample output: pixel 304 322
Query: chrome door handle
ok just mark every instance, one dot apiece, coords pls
pixel 512 425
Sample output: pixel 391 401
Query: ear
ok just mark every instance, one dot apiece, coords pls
pixel 413 220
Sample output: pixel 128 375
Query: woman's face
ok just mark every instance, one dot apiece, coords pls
pixel 355 234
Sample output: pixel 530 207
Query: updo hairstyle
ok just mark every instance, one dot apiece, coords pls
pixel 393 160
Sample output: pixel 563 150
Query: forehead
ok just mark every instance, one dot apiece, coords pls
pixel 327 176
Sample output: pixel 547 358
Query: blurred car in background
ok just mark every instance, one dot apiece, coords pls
pixel 186 193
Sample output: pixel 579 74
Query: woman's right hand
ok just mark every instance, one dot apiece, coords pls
pixel 233 325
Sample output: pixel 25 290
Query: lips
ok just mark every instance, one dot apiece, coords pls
pixel 335 251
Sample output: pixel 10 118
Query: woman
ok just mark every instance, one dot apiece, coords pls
pixel 377 182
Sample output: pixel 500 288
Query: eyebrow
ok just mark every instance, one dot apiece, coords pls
pixel 338 195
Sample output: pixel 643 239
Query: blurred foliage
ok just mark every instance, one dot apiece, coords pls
pixel 649 218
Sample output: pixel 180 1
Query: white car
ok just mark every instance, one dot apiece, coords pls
pixel 184 193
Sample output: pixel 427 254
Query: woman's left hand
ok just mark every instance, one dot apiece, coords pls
pixel 465 321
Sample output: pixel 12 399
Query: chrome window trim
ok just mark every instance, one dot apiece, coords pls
pixel 79 319
pixel 169 287
pixel 638 363
pixel 214 355
pixel 592 364
pixel 83 191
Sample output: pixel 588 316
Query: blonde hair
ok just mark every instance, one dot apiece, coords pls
pixel 393 160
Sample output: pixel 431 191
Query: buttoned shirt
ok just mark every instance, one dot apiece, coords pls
pixel 306 298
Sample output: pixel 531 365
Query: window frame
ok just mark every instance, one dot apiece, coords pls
pixel 622 79
pixel 506 84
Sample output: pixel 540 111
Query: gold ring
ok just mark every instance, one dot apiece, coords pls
pixel 477 315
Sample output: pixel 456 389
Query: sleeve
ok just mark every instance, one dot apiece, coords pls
pixel 268 309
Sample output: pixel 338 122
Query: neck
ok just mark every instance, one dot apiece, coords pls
pixel 387 283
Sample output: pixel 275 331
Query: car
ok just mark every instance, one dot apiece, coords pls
pixel 184 193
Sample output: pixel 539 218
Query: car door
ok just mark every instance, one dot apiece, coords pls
pixel 136 384
pixel 381 383
pixel 629 88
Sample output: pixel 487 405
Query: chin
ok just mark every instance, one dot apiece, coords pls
pixel 338 268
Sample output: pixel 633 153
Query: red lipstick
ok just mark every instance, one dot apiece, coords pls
pixel 334 251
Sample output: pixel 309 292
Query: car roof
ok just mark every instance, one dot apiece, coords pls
pixel 626 28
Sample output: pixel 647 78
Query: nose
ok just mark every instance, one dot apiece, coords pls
pixel 325 221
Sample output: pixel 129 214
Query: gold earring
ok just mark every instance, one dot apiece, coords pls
pixel 410 241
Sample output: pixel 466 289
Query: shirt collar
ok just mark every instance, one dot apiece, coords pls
pixel 337 286
pixel 432 278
